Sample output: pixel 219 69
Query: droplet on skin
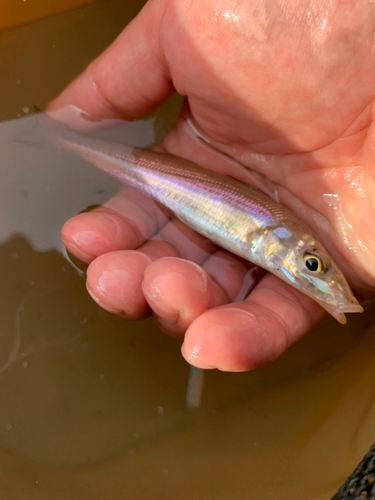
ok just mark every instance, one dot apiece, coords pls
pixel 194 353
pixel 26 110
pixel 9 427
pixel 25 364
pixel 160 410
pixel 237 14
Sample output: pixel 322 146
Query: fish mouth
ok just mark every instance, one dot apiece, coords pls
pixel 351 308
pixel 338 312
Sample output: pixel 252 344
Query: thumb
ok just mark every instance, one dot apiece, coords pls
pixel 127 81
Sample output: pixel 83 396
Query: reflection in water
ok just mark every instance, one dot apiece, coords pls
pixel 92 407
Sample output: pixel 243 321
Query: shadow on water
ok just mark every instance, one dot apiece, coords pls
pixel 93 407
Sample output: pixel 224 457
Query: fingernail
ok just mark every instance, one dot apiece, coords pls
pixel 224 338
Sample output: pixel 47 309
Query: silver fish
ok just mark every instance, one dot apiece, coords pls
pixel 236 216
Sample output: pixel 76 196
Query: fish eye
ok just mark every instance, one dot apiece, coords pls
pixel 314 263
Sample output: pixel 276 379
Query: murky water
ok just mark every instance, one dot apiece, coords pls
pixel 92 407
pixel 26 11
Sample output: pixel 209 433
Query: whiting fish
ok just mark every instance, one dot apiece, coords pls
pixel 234 215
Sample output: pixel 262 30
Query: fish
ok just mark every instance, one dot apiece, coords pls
pixel 237 217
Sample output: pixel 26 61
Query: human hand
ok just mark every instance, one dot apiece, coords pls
pixel 285 90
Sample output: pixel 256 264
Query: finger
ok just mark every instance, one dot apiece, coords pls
pixel 118 295
pixel 114 279
pixel 243 336
pixel 179 291
pixel 90 235
pixel 124 222
pixel 128 80
pixel 114 282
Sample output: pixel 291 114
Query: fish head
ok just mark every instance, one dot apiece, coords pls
pixel 302 261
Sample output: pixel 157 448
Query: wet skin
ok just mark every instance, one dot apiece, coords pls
pixel 284 88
